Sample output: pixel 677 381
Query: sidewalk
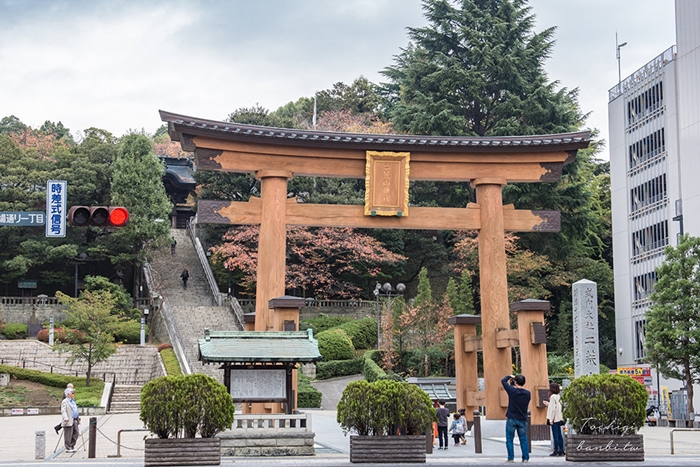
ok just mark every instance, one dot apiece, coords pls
pixel 332 447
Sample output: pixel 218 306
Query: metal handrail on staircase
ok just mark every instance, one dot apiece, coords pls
pixel 174 335
pixel 216 293
pixel 219 297
pixel 170 326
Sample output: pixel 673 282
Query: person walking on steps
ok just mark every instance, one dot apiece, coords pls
pixel 516 415
pixel 184 276
pixel 70 420
pixel 173 244
pixel 555 419
pixel 443 414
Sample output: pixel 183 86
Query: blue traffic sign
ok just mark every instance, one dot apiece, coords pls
pixel 22 218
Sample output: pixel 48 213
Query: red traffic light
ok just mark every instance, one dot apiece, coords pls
pixel 118 216
pixel 99 216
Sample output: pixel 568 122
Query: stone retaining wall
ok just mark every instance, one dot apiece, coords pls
pixel 31 313
pixel 266 443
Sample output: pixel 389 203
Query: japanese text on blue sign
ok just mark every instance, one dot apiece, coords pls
pixel 56 208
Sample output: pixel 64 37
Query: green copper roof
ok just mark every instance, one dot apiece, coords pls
pixel 248 346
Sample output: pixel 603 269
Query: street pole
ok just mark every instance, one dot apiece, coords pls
pixel 388 291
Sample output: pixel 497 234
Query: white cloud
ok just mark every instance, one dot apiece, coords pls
pixel 113 65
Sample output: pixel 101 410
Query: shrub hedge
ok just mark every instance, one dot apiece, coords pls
pixel 371 370
pixel 362 332
pixel 128 332
pixel 323 323
pixel 605 404
pixel 84 396
pixel 385 408
pixel 15 331
pixel 308 397
pixel 170 361
pixel 62 335
pixel 337 368
pixel 182 406
pixel 335 344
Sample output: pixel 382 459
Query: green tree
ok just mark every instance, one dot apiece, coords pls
pixel 11 124
pixel 137 185
pixel 91 315
pixel 673 323
pixel 477 69
pixel 465 296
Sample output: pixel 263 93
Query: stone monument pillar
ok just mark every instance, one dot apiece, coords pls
pixel 585 317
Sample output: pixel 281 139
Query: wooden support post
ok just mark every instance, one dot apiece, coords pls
pixel 272 244
pixel 286 318
pixel 494 291
pixel 533 353
pixel 466 375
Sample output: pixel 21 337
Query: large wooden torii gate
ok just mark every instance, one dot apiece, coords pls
pixel 388 163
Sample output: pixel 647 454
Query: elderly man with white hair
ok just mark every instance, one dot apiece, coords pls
pixel 70 420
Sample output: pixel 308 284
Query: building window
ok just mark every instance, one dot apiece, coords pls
pixel 648 193
pixel 654 237
pixel 647 148
pixel 639 326
pixel 645 103
pixel 644 286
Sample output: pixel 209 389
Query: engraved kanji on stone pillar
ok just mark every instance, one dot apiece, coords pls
pixel 585 313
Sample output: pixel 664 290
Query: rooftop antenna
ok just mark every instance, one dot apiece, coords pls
pixel 618 46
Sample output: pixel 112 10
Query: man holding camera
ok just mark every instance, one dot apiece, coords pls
pixel 516 415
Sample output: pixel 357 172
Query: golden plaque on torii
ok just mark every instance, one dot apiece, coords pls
pixel 386 183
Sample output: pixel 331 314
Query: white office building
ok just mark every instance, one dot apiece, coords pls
pixel 654 124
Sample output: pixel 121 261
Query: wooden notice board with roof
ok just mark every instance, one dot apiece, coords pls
pixel 387 163
pixel 258 366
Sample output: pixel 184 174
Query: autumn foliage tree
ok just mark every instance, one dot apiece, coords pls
pixel 325 262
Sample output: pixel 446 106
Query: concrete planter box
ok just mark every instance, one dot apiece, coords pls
pixel 182 451
pixel 387 449
pixel 604 448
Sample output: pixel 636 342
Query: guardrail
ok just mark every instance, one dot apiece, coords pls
pixel 216 294
pixel 119 440
pixel 28 301
pixel 310 302
pixel 237 311
pixel 680 429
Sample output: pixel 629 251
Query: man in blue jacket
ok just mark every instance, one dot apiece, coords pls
pixel 516 415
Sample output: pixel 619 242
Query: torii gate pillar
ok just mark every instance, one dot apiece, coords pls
pixel 272 243
pixel 494 291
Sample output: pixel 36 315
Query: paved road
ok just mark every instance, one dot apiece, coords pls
pixel 18 443
pixel 332 389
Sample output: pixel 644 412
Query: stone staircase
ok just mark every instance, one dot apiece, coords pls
pixel 131 364
pixel 192 309
pixel 126 399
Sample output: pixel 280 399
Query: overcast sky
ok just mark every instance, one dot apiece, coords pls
pixel 114 64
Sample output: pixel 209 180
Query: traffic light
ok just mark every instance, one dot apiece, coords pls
pixel 98 216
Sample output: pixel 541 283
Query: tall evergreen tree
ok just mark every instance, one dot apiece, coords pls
pixel 137 185
pixel 477 69
pixel 466 294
